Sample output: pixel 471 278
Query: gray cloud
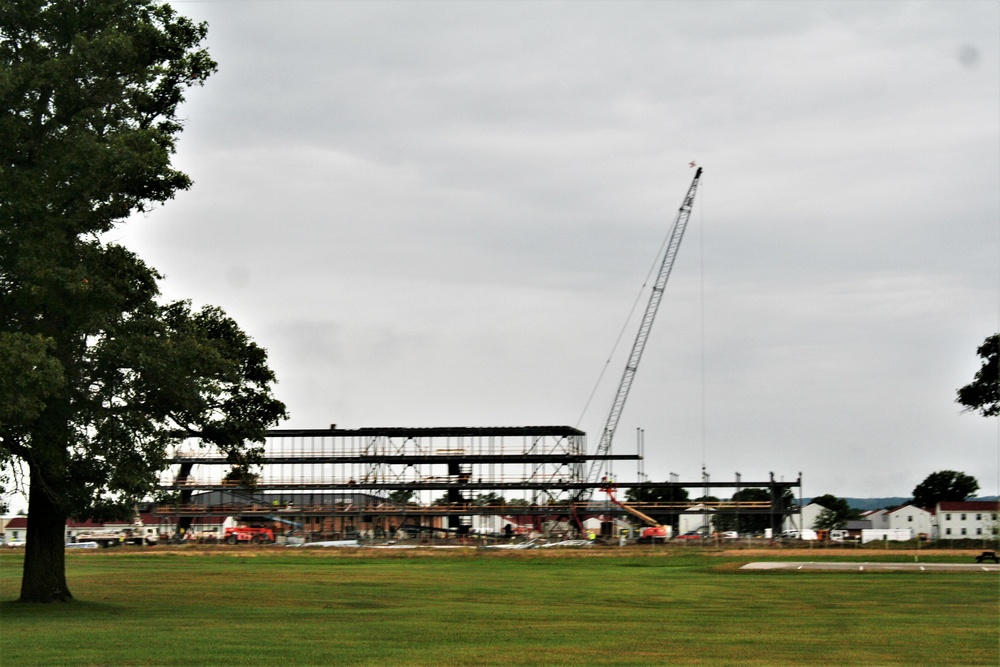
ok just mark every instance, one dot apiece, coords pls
pixel 440 213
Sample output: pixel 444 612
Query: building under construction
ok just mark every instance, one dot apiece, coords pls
pixel 381 480
pixel 336 483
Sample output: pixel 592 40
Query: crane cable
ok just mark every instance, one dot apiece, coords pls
pixel 625 325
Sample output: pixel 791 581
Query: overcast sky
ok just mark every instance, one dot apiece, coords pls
pixel 440 214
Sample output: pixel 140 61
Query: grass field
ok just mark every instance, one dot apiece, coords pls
pixel 275 606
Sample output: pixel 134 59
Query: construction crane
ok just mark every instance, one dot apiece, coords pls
pixel 669 255
pixel 653 532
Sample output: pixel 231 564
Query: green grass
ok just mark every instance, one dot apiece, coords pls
pixel 290 607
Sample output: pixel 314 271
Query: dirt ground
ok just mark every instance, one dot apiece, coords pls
pixel 743 553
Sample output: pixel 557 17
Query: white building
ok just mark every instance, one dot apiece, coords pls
pixel 917 519
pixel 967 519
pixel 804 519
pixel 697 518
pixel 594 525
pixel 879 519
pixel 15 531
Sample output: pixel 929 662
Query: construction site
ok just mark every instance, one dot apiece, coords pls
pixel 330 484
pixel 457 482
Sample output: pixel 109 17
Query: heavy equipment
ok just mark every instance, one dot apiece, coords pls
pixel 248 534
pixel 137 536
pixel 666 265
pixel 654 531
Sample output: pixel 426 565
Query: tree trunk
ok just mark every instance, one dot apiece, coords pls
pixel 44 576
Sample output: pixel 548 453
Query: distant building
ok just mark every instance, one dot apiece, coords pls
pixel 805 518
pixel 879 518
pixel 854 528
pixel 696 519
pixel 967 519
pixel 917 519
pixel 16 530
pixel 147 525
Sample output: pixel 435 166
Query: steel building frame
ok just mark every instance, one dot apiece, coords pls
pixel 351 473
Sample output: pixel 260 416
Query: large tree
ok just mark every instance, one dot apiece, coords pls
pixel 983 393
pixel 944 485
pixel 835 514
pixel 744 522
pixel 667 494
pixel 98 375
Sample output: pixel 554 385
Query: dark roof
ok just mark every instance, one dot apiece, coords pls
pixel 858 525
pixel 147 519
pixel 969 506
pixel 429 432
pixel 210 498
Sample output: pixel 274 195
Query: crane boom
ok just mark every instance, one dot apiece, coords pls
pixel 631 510
pixel 676 234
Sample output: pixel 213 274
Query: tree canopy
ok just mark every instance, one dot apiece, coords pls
pixel 745 522
pixel 666 494
pixel 944 485
pixel 97 375
pixel 657 494
pixel 983 393
pixel 836 512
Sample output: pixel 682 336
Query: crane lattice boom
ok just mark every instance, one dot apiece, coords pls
pixel 676 234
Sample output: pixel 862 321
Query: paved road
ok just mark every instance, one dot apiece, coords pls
pixel 866 567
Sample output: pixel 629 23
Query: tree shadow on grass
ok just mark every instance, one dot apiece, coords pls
pixel 11 610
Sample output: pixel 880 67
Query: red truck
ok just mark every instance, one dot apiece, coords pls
pixel 248 535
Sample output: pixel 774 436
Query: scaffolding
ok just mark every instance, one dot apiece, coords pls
pixel 380 480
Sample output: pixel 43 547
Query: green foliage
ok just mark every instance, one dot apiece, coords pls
pixel 402 496
pixel 944 485
pixel 836 512
pixel 743 522
pixel 30 375
pixel 99 376
pixel 983 393
pixel 657 494
pixel 490 498
pixel 829 519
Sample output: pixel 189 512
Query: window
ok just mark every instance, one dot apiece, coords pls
pixel 947 531
pixel 979 531
pixel 963 531
pixel 979 517
pixel 909 517
pixel 947 517
pixel 963 517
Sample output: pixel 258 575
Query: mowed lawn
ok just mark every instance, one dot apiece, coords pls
pixel 274 606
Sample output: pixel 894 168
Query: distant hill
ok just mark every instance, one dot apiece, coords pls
pixel 865 504
pixel 869 503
